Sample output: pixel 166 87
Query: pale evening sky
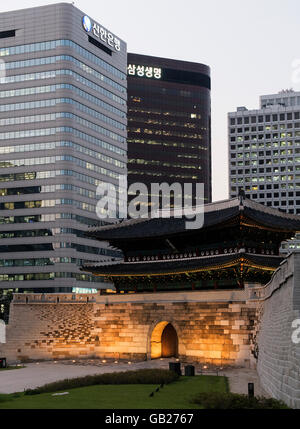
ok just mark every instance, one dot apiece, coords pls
pixel 250 47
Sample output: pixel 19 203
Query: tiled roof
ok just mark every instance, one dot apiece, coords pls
pixel 187 264
pixel 214 214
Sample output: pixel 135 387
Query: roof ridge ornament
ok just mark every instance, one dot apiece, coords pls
pixel 242 197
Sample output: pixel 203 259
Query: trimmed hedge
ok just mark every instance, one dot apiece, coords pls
pixel 224 401
pixel 142 376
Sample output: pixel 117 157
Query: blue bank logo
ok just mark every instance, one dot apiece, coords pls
pixel 86 23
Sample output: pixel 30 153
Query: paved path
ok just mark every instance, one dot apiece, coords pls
pixel 38 374
pixel 239 379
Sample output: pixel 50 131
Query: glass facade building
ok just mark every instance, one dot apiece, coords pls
pixel 63 118
pixel 264 151
pixel 169 138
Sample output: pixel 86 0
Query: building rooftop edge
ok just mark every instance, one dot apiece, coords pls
pixel 178 62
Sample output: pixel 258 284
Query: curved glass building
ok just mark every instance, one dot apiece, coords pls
pixel 169 116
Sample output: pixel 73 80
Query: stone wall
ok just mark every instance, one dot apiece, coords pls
pixel 278 356
pixel 213 327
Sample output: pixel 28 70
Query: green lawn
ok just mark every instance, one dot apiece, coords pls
pixel 174 395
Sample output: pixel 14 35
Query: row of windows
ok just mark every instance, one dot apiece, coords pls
pixel 47 203
pixel 54 131
pixel 179 113
pixel 265 118
pixel 53 44
pixel 51 174
pixel 276 178
pixel 91 139
pixel 94 113
pixel 48 188
pixel 94 154
pixel 167 144
pixel 278 100
pixel 157 174
pixel 53 159
pixel 265 145
pixel 262 187
pixel 70 187
pixel 53 88
pixel 26 204
pixel 275 136
pixel 269 161
pixel 165 122
pixel 265 129
pixel 9 205
pixel 59 115
pixel 52 60
pixel 55 101
pixel 20 191
pixel 265 153
pixel 78 78
pixel 274 188
pixel 52 145
pixel 26 233
pixel 92 98
pixel 31 247
pixel 42 233
pixel 40 262
pixel 48 276
pixel 51 217
pixel 164 133
pixel 92 85
pixel 265 170
pixel 197 93
pixel 12 177
pixel 162 164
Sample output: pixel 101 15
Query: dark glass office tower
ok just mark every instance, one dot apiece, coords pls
pixel 63 105
pixel 169 138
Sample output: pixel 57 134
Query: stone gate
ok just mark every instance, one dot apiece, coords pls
pixel 214 327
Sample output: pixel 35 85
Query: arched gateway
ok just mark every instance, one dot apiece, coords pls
pixel 196 286
pixel 164 341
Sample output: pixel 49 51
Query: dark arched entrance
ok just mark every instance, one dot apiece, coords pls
pixel 163 341
pixel 169 342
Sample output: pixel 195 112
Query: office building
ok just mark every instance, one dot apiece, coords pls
pixel 63 131
pixel 168 122
pixel 264 151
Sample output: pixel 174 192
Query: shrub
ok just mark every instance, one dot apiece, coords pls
pixel 142 376
pixel 223 401
pixel 9 397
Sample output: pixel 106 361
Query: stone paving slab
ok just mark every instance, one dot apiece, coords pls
pixel 40 373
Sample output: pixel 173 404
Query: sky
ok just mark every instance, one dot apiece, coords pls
pixel 249 45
